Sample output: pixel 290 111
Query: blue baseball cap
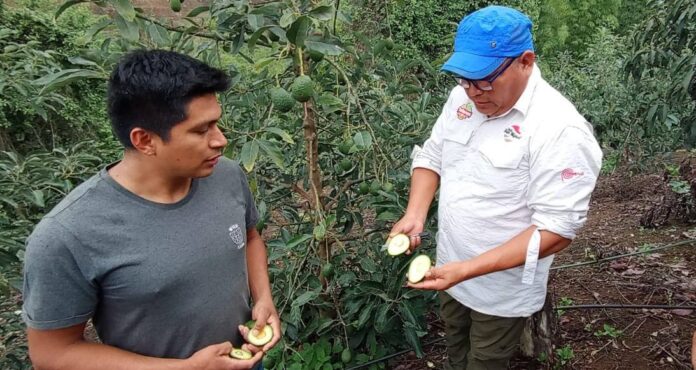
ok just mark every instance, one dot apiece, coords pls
pixel 485 38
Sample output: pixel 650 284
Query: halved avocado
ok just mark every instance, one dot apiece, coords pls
pixel 262 337
pixel 418 267
pixel 398 244
pixel 240 354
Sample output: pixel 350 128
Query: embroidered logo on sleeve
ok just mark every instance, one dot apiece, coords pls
pixel 569 174
pixel 513 132
pixel 236 236
pixel 465 111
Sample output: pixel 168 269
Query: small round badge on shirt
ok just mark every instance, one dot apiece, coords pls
pixel 465 111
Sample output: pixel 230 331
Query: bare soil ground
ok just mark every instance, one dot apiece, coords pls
pixel 614 338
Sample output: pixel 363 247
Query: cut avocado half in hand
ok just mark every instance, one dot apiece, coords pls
pixel 418 267
pixel 398 244
pixel 261 337
pixel 240 354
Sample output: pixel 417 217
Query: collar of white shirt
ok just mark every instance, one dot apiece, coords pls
pixel 525 100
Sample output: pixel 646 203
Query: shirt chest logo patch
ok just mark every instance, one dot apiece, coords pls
pixel 512 132
pixel 569 173
pixel 465 111
pixel 236 236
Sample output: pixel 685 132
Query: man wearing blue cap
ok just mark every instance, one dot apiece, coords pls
pixel 515 164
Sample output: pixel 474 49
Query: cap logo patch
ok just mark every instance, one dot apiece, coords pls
pixel 465 111
pixel 513 132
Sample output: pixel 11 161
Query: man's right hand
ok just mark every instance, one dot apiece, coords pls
pixel 217 357
pixel 411 226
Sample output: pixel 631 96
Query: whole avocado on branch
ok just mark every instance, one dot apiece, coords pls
pixel 302 89
pixel 281 99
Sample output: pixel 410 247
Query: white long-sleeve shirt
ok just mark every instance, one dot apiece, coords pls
pixel 537 164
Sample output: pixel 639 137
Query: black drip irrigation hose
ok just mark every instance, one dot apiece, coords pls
pixel 624 306
pixel 573 307
pixel 650 250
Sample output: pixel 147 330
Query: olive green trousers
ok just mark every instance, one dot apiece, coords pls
pixel 476 341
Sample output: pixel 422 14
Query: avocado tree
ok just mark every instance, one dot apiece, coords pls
pixel 663 59
pixel 323 122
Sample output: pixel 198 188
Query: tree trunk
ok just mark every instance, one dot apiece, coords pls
pixel 315 185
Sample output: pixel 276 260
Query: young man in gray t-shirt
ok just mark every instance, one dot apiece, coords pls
pixel 160 249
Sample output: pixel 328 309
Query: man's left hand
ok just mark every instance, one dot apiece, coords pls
pixel 443 277
pixel 264 312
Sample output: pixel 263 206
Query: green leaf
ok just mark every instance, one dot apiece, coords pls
pixel 8 201
pixel 158 34
pixel 251 43
pixel 365 315
pixel 67 5
pixel 329 99
pixel 273 152
pixel 39 199
pixel 269 10
pixel 319 231
pixel 238 42
pixel 280 33
pixel 298 31
pixel 324 48
pixel 197 11
pixel 282 133
pixel 381 318
pixel 387 216
pixel 250 152
pixel 292 243
pixel 286 19
pixel 255 21
pixel 413 340
pixel 304 298
pixel 96 28
pixel 322 13
pixel 125 9
pixel 82 61
pixel 367 264
pixel 128 29
pixel 407 312
pixel 362 140
pixel 263 62
pixel 64 77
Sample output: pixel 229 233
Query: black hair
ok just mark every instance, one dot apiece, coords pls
pixel 152 88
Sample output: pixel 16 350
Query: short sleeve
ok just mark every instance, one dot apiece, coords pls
pixel 56 293
pixel 563 173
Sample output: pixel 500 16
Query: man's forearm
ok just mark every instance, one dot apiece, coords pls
pixel 82 355
pixel 513 253
pixel 257 267
pixel 424 184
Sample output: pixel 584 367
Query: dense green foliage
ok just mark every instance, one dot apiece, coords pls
pixel 330 174
pixel 663 60
pixel 424 27
pixel 571 25
pixel 33 45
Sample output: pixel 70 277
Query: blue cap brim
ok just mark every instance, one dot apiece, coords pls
pixel 472 66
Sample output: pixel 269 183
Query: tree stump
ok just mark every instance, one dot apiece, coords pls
pixel 539 329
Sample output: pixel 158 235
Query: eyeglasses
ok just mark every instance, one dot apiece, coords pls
pixel 486 83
